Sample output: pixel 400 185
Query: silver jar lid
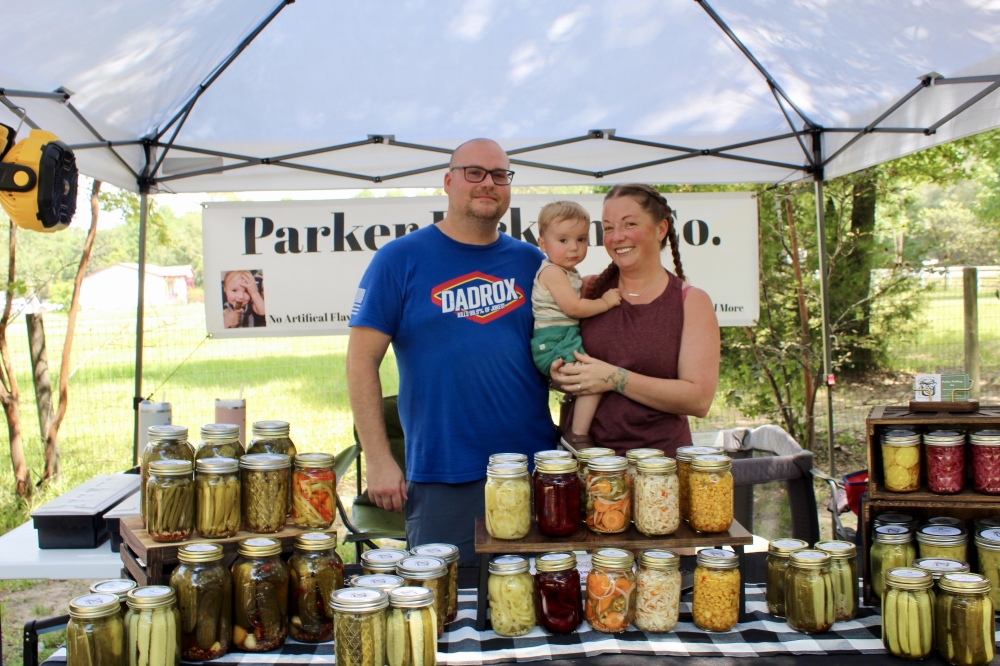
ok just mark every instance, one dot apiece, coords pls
pixel 716 558
pixel 91 606
pixel 382 560
pixel 265 461
pixel 271 428
pixel 171 468
pixel 985 438
pixel 217 465
pixel 937 566
pixel 444 551
pixel 508 458
pixel 508 565
pixel 944 438
pixel 359 600
pixel 169 433
pixel 216 432
pixel 384 582
pixel 942 535
pixel 508 470
pixel 421 568
pixel 607 464
pixel 893 534
pixel 411 597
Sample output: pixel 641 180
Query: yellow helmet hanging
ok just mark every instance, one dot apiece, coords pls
pixel 38 179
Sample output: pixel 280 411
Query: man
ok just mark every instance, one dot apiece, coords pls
pixel 454 299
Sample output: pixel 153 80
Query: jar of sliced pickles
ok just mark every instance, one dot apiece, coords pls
pixel 449 554
pixel 170 500
pixel 658 590
pixel 963 617
pixel 385 582
pixel 381 560
pixel 120 587
pixel 95 633
pixel 986 461
pixel 204 589
pixel 908 613
pixel 943 541
pixel 945 454
pixel 655 496
pixel 635 455
pixel 264 491
pixel 166 442
pixel 411 628
pixel 583 457
pixel 901 461
pixel 893 548
pixel 508 500
pixel 774 572
pixel 611 590
pixel 260 595
pixel 557 497
pixel 988 550
pixel 432 573
pixel 715 602
pixel 937 566
pixel 609 495
pixel 512 596
pixel 809 598
pixel 897 519
pixel 844 573
pixel 152 626
pixel 684 455
pixel 711 493
pixel 315 572
pixel 360 631
pixel 220 440
pixel 557 592
pixel 217 495
pixel 314 490
pixel 274 437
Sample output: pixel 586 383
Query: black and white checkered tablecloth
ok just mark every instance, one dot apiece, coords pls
pixel 762 636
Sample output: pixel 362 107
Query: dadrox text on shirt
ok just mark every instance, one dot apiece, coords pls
pixel 478 297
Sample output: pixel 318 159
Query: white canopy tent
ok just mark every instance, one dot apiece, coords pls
pixel 232 95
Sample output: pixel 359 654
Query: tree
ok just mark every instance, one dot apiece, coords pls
pixel 10 395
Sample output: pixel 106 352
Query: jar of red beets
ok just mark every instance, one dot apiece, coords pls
pixel 557 497
pixel 945 454
pixel 557 586
pixel 986 461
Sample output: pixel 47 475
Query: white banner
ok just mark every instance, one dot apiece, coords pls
pixel 293 267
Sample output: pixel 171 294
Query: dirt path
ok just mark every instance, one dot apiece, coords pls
pixel 25 600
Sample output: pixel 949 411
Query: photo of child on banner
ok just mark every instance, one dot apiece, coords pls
pixel 243 299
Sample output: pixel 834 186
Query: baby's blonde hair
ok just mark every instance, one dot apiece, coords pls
pixel 557 211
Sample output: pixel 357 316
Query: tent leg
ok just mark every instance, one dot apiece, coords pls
pixel 824 278
pixel 139 317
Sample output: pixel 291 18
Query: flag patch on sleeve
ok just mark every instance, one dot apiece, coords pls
pixel 358 298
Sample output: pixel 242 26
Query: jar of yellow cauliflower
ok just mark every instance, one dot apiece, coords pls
pixel 715 604
pixel 508 500
pixel 943 541
pixel 901 460
pixel 711 494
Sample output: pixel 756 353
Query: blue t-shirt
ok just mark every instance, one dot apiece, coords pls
pixel 460 320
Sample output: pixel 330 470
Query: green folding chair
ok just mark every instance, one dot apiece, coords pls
pixel 367 520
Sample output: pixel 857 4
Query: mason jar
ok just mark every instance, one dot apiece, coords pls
pixel 204 589
pixel 260 595
pixel 557 592
pixel 988 550
pixel 711 494
pixel 166 442
pixel 943 541
pixel 897 519
pixel 264 491
pixel 963 618
pixel 314 490
pixel 609 495
pixel 893 548
pixel 511 593
pixel 908 613
pixel 411 627
pixel 938 566
pixel 655 496
pixel 274 437
pixel 715 601
pixel 449 554
pixel 381 560
pixel 315 572
pixel 658 590
pixel 844 572
pixel 152 626
pixel 809 598
pixel 360 631
pixel 220 440
pixel 945 454
pixel 432 573
pixel 508 500
pixel 170 500
pixel 635 455
pixel 120 587
pixel 217 494
pixel 986 461
pixel 684 455
pixel 901 461
pixel 583 457
pixel 774 572
pixel 95 633
pixel 611 590
pixel 385 582
pixel 557 497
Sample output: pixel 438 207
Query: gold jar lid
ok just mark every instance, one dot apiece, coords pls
pixel 988 539
pixel 151 596
pixel 937 566
pixel 508 458
pixel 658 558
pixel 944 438
pixel 785 547
pixel 171 467
pixel 444 551
pixel 987 523
pixel 120 587
pixel 659 466
pixel 946 520
pixel 942 535
pixel 584 455
pixel 167 433
pixel 382 560
pixel 901 519
pixel 900 438
pixel 555 562
pixel 711 463
pixel 552 454
pixel 507 470
pixel 267 429
pixel 265 461
pixel 686 453
pixel 411 597
pixel 607 464
pixel 985 438
pixel 200 552
pixel 384 582
pixel 316 541
pixel 809 559
pixel 217 465
pixel 634 455
pixel 612 558
pixel 556 466
pixel 314 460
pixel 716 558
pixel 259 547
pixel 94 605
pixel 421 568
pixel 220 432
pixel 838 550
pixel 508 565
pixel 358 600
pixel 968 583
pixel 908 578
pixel 893 534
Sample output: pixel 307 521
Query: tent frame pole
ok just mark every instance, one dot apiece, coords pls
pixel 824 281
pixel 140 309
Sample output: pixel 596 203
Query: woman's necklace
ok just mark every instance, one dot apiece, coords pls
pixel 646 288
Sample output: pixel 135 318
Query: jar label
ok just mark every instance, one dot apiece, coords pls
pixel 894 518
pixel 787 543
pixel 507 559
pixel 941 530
pixel 990 535
pixel 908 573
pixel 810 555
pixel 834 545
pixel 315 536
pixel 613 552
pixel 375 581
pixel 659 555
pixel 699 450
pixel 94 600
pixel 554 557
pixel 409 591
pixel 891 529
pixel 200 548
pixel 965 578
pixel 383 556
pixel 713 458
pixel 257 543
pixel 115 586
pixel 716 552
pixel 942 565
pixel 359 593
pixel 152 591
pixel 436 551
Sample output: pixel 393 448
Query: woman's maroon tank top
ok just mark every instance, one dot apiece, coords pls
pixel 645 339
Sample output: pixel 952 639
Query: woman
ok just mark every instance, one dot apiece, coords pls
pixel 655 358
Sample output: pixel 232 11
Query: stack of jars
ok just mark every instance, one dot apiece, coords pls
pixel 944 453
pixel 684 455
pixel 557 496
pixel 893 548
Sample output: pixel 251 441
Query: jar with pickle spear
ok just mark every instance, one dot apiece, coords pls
pixel 908 613
pixel 152 627
pixel 411 628
pixel 260 596
pixel 943 541
pixel 204 589
pixel 360 631
pixel 264 491
pixel 274 437
pixel 939 566
pixel 893 548
pixel 166 442
pixel 449 554
pixel 988 551
pixel 844 572
pixel 963 617
pixel 95 633
pixel 220 440
pixel 170 500
pixel 314 490
pixel 809 599
pixel 217 495
pixel 315 573
pixel 432 573
pixel 775 569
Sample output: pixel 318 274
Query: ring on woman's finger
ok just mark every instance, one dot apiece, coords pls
pixel 578 387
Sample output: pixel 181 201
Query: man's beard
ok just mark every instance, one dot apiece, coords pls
pixel 481 217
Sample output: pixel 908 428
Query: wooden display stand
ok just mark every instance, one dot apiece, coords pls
pixel 921 504
pixel 584 539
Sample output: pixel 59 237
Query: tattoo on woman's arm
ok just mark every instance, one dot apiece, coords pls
pixel 618 380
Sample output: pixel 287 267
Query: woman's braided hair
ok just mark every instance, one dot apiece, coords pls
pixel 656 205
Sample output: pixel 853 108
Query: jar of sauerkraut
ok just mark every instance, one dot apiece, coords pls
pixel 611 591
pixel 715 602
pixel 583 457
pixel 893 548
pixel 711 494
pixel 809 597
pixel 774 572
pixel 897 519
pixel 609 495
pixel 359 626
pixel 508 500
pixel 986 461
pixel 381 560
pixel 557 497
pixel 449 554
pixel 432 573
pixel 908 613
pixel 658 590
pixel 512 596
pixel 966 634
pixel 655 501
pixel 635 455
pixel 844 572
pixel 938 566
pixel 988 549
pixel 943 541
pixel 684 455
pixel 557 590
pixel 945 453
pixel 901 461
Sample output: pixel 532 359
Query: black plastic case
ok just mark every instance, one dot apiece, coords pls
pixel 76 518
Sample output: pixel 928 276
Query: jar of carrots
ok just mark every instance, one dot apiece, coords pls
pixel 611 591
pixel 609 495
pixel 583 457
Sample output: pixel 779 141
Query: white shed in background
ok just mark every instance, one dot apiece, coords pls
pixel 115 286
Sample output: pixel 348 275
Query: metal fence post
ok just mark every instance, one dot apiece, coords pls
pixel 970 275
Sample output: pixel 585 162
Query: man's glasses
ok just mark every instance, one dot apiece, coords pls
pixel 475 174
